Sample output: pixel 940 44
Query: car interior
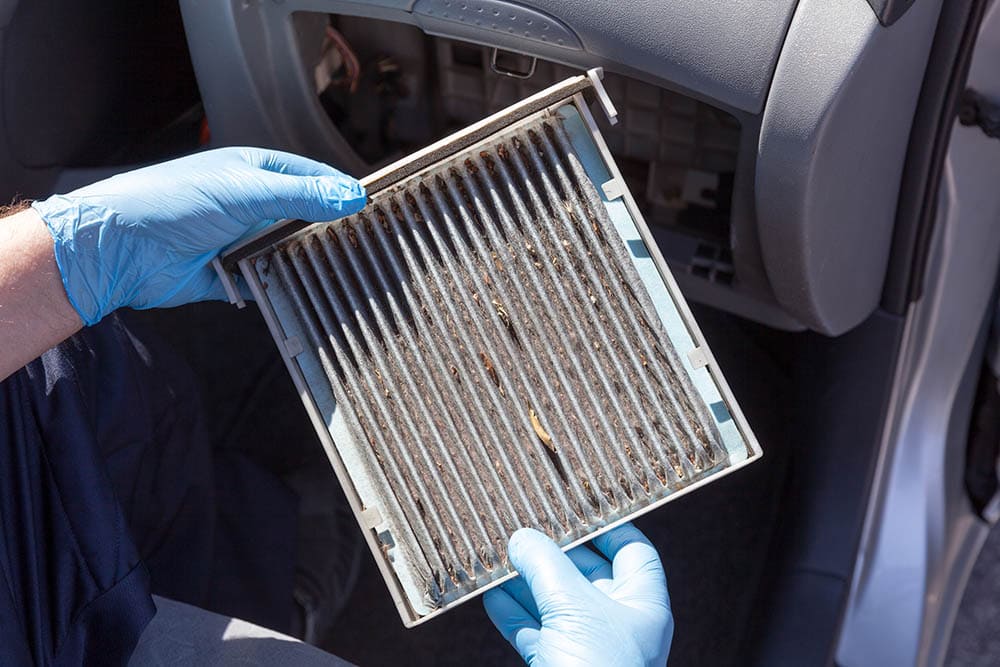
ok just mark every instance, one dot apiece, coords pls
pixel 786 155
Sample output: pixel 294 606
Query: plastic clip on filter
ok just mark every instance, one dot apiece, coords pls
pixel 490 345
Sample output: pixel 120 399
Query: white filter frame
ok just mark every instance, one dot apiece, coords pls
pixel 697 356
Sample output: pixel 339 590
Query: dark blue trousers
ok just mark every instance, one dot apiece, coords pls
pixel 109 490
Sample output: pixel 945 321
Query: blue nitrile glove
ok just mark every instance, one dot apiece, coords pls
pixel 578 608
pixel 145 238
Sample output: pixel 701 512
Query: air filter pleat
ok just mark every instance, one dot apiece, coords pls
pixel 440 455
pixel 396 395
pixel 564 311
pixel 703 447
pixel 516 463
pixel 667 426
pixel 445 427
pixel 471 333
pixel 586 470
pixel 586 406
pixel 552 204
pixel 612 374
pixel 425 557
pixel 409 478
pixel 462 331
pixel 496 356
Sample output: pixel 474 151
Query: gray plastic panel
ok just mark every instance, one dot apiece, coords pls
pixel 248 58
pixel 889 11
pixel 832 144
pixel 721 51
pixel 244 53
pixel 497 16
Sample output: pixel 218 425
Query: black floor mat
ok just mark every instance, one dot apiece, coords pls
pixel 713 542
pixel 974 639
pixel 248 397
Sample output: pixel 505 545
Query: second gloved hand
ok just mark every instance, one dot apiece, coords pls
pixel 579 608
pixel 146 238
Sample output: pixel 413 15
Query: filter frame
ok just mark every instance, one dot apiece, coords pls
pixel 573 91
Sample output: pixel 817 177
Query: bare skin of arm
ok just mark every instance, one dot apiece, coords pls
pixel 35 314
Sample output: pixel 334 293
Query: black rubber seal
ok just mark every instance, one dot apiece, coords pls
pixel 940 96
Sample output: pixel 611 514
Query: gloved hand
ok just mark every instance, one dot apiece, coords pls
pixel 145 238
pixel 579 608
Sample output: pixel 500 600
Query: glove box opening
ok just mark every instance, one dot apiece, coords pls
pixel 390 89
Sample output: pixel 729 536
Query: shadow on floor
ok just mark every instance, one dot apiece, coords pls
pixel 975 640
pixel 714 543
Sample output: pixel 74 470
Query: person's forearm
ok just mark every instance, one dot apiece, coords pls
pixel 34 311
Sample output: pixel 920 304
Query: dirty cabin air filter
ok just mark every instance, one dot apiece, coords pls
pixel 495 342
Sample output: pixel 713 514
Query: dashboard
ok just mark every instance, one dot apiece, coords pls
pixel 821 93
